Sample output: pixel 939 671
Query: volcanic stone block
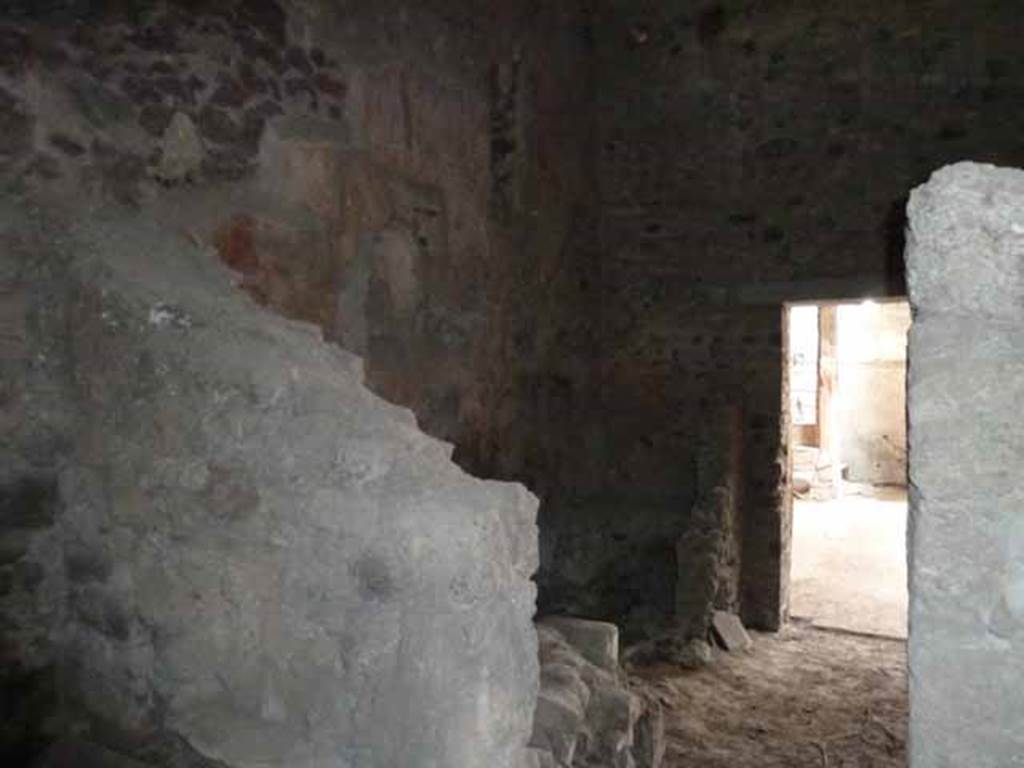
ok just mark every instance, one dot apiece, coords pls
pixel 181 150
pixel 558 720
pixel 596 641
pixel 965 259
pixel 586 715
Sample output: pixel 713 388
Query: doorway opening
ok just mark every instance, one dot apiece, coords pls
pixel 847 367
pixel 829 688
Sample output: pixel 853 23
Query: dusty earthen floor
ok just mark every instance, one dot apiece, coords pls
pixel 804 698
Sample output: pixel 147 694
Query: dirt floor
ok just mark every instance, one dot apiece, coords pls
pixel 804 698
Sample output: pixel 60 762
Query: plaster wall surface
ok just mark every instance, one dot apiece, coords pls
pixel 422 165
pixel 964 266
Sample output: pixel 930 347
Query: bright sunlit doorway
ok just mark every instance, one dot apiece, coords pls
pixel 848 447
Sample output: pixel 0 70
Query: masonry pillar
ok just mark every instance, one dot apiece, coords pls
pixel 965 265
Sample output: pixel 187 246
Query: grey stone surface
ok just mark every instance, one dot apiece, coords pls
pixel 74 753
pixel 15 130
pixel 181 150
pixel 649 735
pixel 539 758
pixel 586 715
pixel 597 641
pixel 966 383
pixel 968 220
pixel 729 631
pixel 250 549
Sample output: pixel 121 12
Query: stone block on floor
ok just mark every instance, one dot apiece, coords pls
pixel 729 632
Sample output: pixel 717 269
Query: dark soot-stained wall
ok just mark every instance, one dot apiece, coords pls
pixel 747 153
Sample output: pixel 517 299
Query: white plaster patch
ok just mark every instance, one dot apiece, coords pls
pixel 165 315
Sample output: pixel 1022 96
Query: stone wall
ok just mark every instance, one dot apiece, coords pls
pixel 750 154
pixel 219 546
pixel 561 235
pixel 964 260
pixel 217 542
pixel 422 165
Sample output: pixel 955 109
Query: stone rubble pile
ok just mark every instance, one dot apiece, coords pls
pixel 586 715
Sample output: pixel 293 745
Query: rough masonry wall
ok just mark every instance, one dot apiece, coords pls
pixel 965 258
pixel 749 154
pixel 217 542
pixel 404 177
pixel 422 165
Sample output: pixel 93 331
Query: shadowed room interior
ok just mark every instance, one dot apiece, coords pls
pixel 511 384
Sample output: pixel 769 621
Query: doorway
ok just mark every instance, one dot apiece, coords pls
pixel 848 447
pixel 829 688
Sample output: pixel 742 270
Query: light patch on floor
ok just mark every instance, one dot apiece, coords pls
pixel 849 562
